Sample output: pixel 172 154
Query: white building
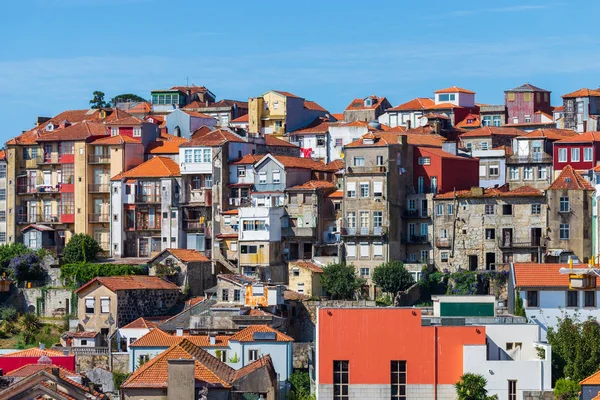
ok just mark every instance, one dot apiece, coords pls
pixel 546 295
pixel 343 133
pixel 3 232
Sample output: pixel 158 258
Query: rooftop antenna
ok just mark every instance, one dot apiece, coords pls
pixel 187 81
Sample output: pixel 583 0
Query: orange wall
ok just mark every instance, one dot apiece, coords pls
pixel 371 338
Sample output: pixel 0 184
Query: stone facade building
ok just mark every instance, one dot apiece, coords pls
pixel 480 229
pixel 367 109
pixel 189 269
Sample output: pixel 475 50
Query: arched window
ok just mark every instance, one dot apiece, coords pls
pixel 177 131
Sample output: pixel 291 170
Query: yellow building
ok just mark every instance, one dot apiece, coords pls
pixel 305 278
pixel 277 112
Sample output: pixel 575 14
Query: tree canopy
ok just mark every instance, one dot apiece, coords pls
pixel 98 100
pixel 341 281
pixel 392 277
pixel 81 247
pixel 123 98
pixel 472 387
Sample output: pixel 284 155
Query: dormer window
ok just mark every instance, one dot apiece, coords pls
pixel 114 131
pixel 368 141
pixel 50 127
pixel 102 114
pixel 368 102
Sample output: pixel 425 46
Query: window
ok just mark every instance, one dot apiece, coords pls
pixel 444 233
pixel 351 250
pixel 359 161
pixel 339 142
pixel 507 209
pixel 490 234
pixel 575 153
pixel 187 156
pixel 137 132
pixel 587 154
pixel 351 190
pixel 301 287
pixel 225 295
pixel 320 141
pixel 241 171
pixel 296 271
pixel 494 170
pixel 233 246
pixel 262 178
pixel 512 386
pixel 589 298
pixel 469 146
pixel 377 219
pixel 254 225
pixel 510 96
pixel 484 145
pixel 379 160
pixel 364 189
pixel 253 354
pixel 497 120
pixel 487 120
pixel 365 272
pixel 377 189
pixel 450 209
pixel 364 250
pixel 562 155
pixel 197 155
pixel 398 380
pixel 532 298
pixel 444 255
pixel 341 380
pixel 196 182
pixel 275 105
pixel 2 171
pixel 514 173
pixel 104 305
pixel 482 171
pixel 489 209
pixel 580 107
pixel 377 249
pixel 351 219
pixel 2 237
pixel 2 194
pixel 248 249
pixel 364 219
pixel 236 295
pixel 527 119
pixel 439 209
pixel 424 161
pixel 276 176
pixel 89 305
pixel 421 184
pixel 541 173
pixel 528 173
pixel 564 204
pixel 572 298
pixel 564 231
pixel 434 184
pixel 536 209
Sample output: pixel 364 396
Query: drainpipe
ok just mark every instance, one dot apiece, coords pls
pixel 435 361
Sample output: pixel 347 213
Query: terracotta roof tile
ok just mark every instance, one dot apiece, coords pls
pixel 502 191
pixel 319 125
pixel 338 116
pixel 291 295
pixel 145 322
pixel 359 104
pixel 540 275
pixel 131 282
pixel 164 146
pixel 587 137
pixel 593 379
pixel 549 125
pixel 230 212
pixel 143 107
pixel 159 338
pixel 193 89
pixel 192 301
pixel 336 165
pixel 238 279
pixel 84 334
pixel 2 155
pixel 527 88
pixel 485 131
pixel 314 184
pixel 549 133
pixel 34 352
pixel 583 93
pixel 227 235
pixel 156 167
pixel 558 108
pixel 261 362
pixel 187 255
pixel 247 334
pixel 454 89
pixel 470 121
pixel 338 194
pixel 287 94
pixel 248 159
pixel 30 369
pixel 569 180
pixel 303 163
pixel 420 103
pixel 79 131
pixel 271 140
pixel 312 105
pixel 196 114
pixel 117 139
pixel 309 266
pixel 196 105
pixel 214 138
pixel 241 119
pixel 443 154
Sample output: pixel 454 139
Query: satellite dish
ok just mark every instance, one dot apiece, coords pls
pixel 423 121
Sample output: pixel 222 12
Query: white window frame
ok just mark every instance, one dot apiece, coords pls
pixel 90 302
pixel 562 155
pixel 588 154
pixel 565 231
pixel 351 250
pixel 358 161
pixel 364 249
pixel 104 305
pixel 364 189
pixel 377 189
pixel 276 175
pixel 351 190
pixel 575 154
pixel 514 173
pixel 424 161
pixel 262 178
pixel 377 249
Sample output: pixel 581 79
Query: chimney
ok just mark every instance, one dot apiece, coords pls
pixel 450 147
pixel 212 339
pixel 179 331
pixel 42 346
pixel 476 191
pixel 55 371
pixel 408 124
pixel 436 127
pixel 402 139
pixel 181 383
pixel 91 387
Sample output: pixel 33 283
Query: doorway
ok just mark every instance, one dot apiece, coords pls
pixel 473 263
pixel 490 261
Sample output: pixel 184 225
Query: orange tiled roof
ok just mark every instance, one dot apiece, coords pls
pixel 492 130
pixel 312 105
pixel 145 322
pixel 156 167
pixel 359 104
pixel 188 255
pixel 34 352
pixel 338 116
pixel 303 163
pixel 117 139
pixel 164 146
pixel 338 194
pixel 597 397
pixel 502 191
pixel 336 165
pixel 159 338
pixel 196 114
pixel 294 296
pixel 583 93
pixel 475 121
pixel 444 106
pixel 261 362
pixel 131 282
pixel 319 125
pixel 569 180
pixel 214 138
pixel 2 155
pixel 593 379
pixel 587 137
pixel 271 140
pixel 208 369
pixel 549 133
pixel 248 159
pixel 286 94
pixel 540 275
pixel 192 301
pixel 241 119
pixel 193 89
pixel 558 108
pixel 231 212
pixel 155 119
pixel 387 138
pixel 309 266
pixel 79 131
pixel 454 89
pixel 420 103
pixel 436 151
pixel 530 124
pixel 143 107
pixel 314 184
pixel 171 138
pixel 30 369
pixel 247 334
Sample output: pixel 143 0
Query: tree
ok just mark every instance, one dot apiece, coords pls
pixel 26 267
pixel 31 325
pixel 123 98
pixel 566 389
pixel 519 309
pixel 575 347
pixel 10 251
pixel 81 247
pixel 300 382
pixel 392 277
pixel 98 100
pixel 341 281
pixel 472 387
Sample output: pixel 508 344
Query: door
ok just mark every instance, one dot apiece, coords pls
pixel 536 237
pixel 472 263
pixel 424 228
pixel 47 178
pixel 47 152
pixel 424 208
pixel 47 210
pixel 411 232
pixel 33 211
pixel 536 151
pixel 490 261
pixel 99 207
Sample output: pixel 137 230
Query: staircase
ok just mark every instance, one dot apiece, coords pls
pixel 228 265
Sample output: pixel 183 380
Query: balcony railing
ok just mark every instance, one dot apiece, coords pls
pixel 49 218
pixel 530 159
pixel 363 231
pixel 295 231
pixel 415 214
pixel 416 239
pixel 239 201
pixel 99 159
pixel 48 188
pixel 200 196
pixel 510 243
pixel 99 188
pixel 443 242
pixel 194 224
pixel 25 219
pixel 51 158
pixel 24 189
pixel 379 169
pixel 99 218
pixel 147 198
pixel 34 162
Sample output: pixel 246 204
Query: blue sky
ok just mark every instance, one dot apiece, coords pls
pixel 55 53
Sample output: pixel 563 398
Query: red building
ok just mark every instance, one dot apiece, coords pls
pixel 579 151
pixel 436 170
pixel 523 102
pixel 388 353
pixel 12 361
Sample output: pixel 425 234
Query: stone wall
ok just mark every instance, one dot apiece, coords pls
pixel 409 297
pixel 301 355
pixel 132 304
pixel 120 362
pixel 534 395
pixel 53 301
pixel 87 362
pixel 103 378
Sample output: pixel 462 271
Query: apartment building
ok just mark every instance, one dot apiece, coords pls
pixel 377 173
pixel 524 102
pixel 478 229
pixel 531 162
pixel 581 109
pixel 3 186
pixel 366 109
pixel 580 151
pixel 313 140
pixel 166 101
pixel 223 111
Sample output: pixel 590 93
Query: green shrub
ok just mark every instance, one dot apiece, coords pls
pixel 8 313
pixel 76 274
pixel 81 248
pixel 566 389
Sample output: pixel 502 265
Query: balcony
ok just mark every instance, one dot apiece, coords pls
pixel 99 188
pixel 24 219
pixel 522 244
pixel 50 159
pixel 26 189
pixel 296 231
pixel 145 226
pixel 49 218
pixel 530 159
pixel 379 169
pixel 443 242
pixel 33 163
pixel 417 239
pixel 200 197
pixel 195 225
pixel 415 214
pixel 99 218
pixel 147 198
pixel 364 231
pixel 99 159
pixel 239 201
pixel 48 189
